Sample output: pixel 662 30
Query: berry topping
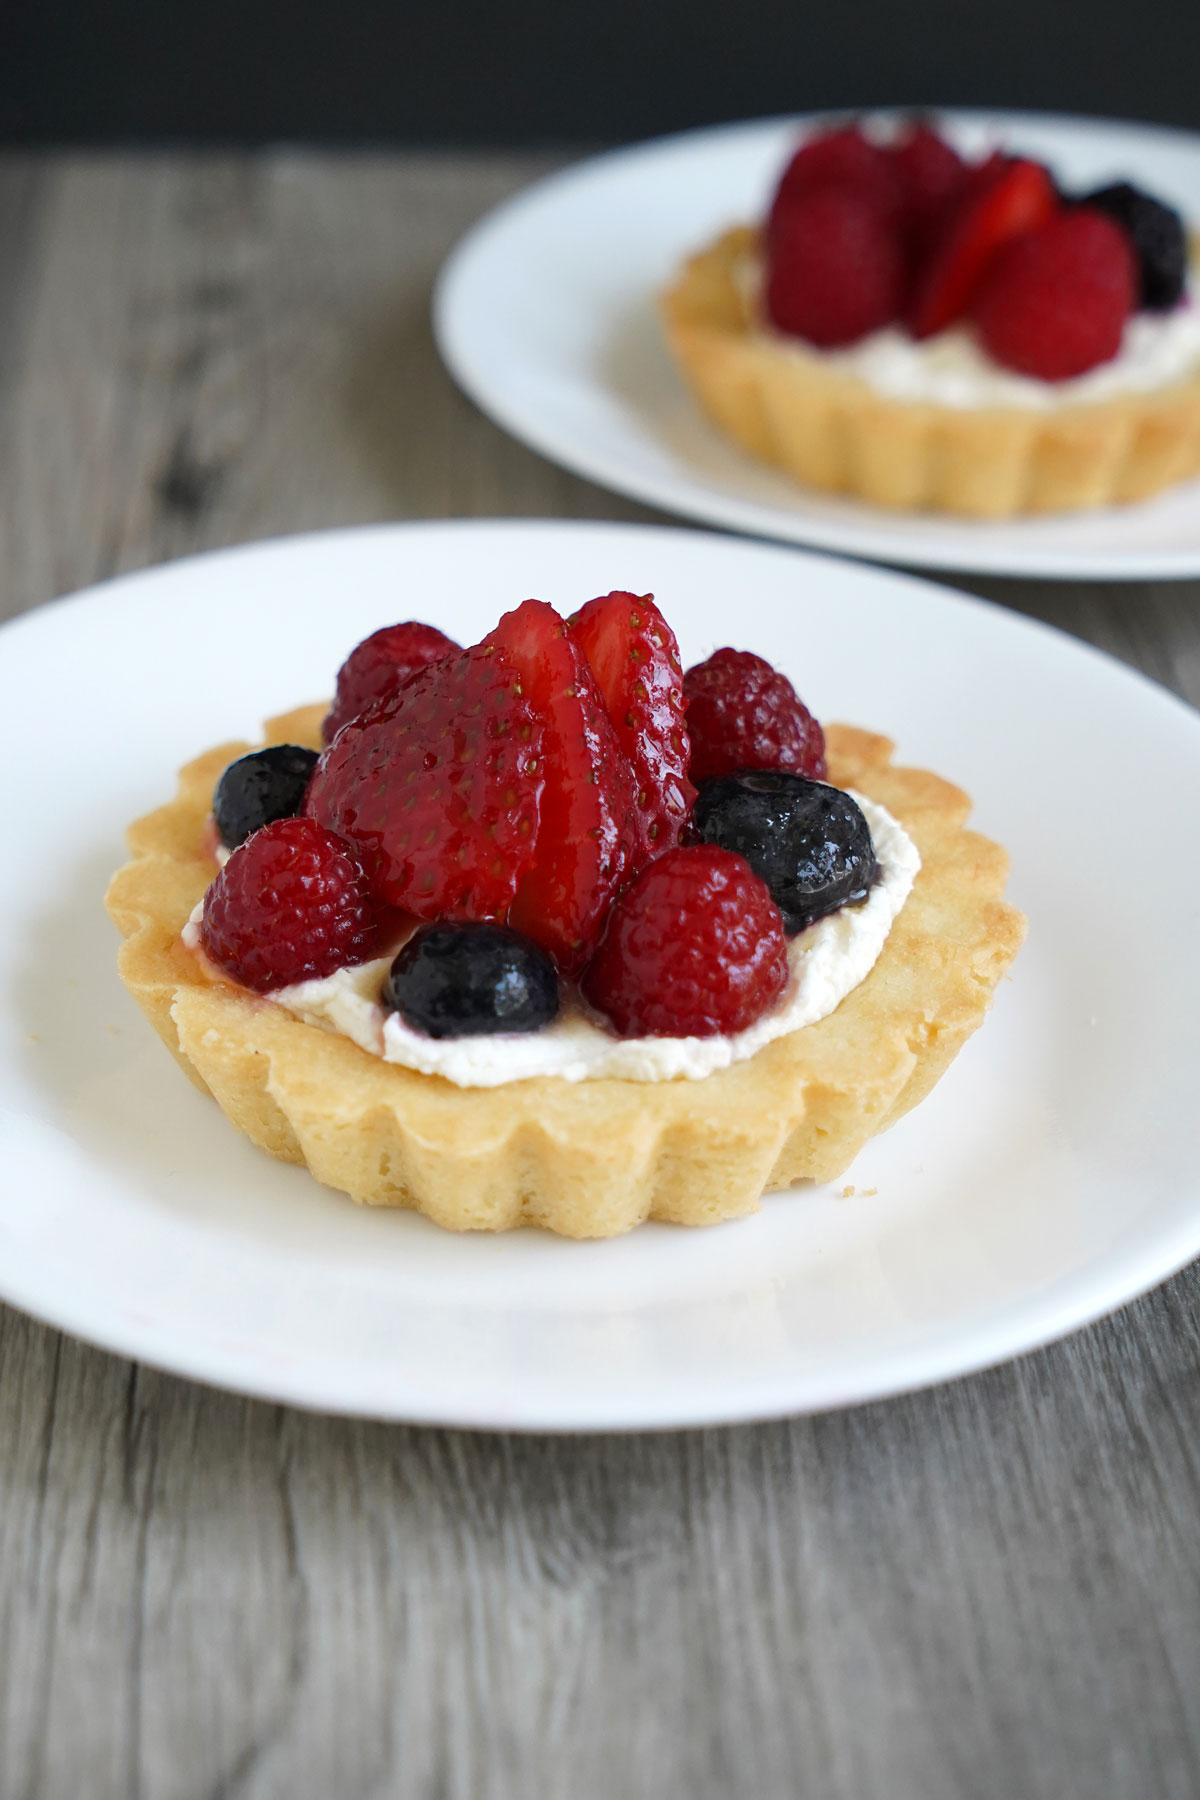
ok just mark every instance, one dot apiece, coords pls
pixel 743 714
pixel 808 841
pixel 588 827
pixel 931 175
pixel 694 946
pixel 291 904
pixel 1055 303
pixel 632 653
pixel 439 786
pixel 1003 199
pixel 1159 241
pixel 471 980
pixel 267 784
pixel 378 666
pixel 836 269
pixel 841 158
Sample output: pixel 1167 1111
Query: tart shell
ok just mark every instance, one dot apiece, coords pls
pixel 830 430
pixel 593 1158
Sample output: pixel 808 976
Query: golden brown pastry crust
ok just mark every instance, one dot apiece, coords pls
pixel 829 430
pixel 594 1158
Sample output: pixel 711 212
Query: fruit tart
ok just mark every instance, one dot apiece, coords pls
pixel 923 331
pixel 546 931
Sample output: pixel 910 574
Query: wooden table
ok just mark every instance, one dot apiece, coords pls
pixel 990 1590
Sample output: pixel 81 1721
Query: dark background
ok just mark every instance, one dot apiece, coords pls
pixel 562 71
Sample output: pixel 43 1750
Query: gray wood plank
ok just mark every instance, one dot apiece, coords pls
pixel 990 1591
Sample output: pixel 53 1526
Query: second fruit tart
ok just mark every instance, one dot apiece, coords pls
pixel 926 332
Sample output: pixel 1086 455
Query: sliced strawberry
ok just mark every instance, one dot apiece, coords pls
pixel 985 174
pixel 438 788
pixel 1003 199
pixel 588 830
pixel 633 655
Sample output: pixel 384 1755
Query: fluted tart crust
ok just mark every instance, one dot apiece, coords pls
pixel 829 430
pixel 594 1158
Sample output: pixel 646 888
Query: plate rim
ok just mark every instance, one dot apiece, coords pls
pixel 1111 1280
pixel 224 1372
pixel 760 519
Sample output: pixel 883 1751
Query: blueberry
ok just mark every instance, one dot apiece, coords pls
pixel 808 841
pixel 266 785
pixel 1159 241
pixel 470 980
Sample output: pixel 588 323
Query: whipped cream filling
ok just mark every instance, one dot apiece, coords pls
pixel 826 962
pixel 953 369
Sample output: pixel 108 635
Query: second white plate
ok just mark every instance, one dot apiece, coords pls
pixel 545 315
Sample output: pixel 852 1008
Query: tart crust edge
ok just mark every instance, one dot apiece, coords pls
pixel 829 430
pixel 590 1159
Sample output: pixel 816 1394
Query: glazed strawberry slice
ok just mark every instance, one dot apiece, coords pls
pixel 634 657
pixel 588 832
pixel 438 787
pixel 1003 199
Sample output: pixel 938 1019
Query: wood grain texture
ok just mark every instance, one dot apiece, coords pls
pixel 986 1592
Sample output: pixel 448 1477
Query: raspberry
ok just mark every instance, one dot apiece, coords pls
pixel 1003 198
pixel 588 829
pixel 842 158
pixel 439 787
pixel 1055 304
pixel 743 714
pixel 378 665
pixel 291 904
pixel 694 946
pixel 836 268
pixel 632 653
pixel 931 177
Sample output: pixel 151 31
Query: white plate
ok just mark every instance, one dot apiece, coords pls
pixel 545 315
pixel 1049 1177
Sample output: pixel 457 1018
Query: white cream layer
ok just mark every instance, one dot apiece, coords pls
pixel 827 962
pixel 952 369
